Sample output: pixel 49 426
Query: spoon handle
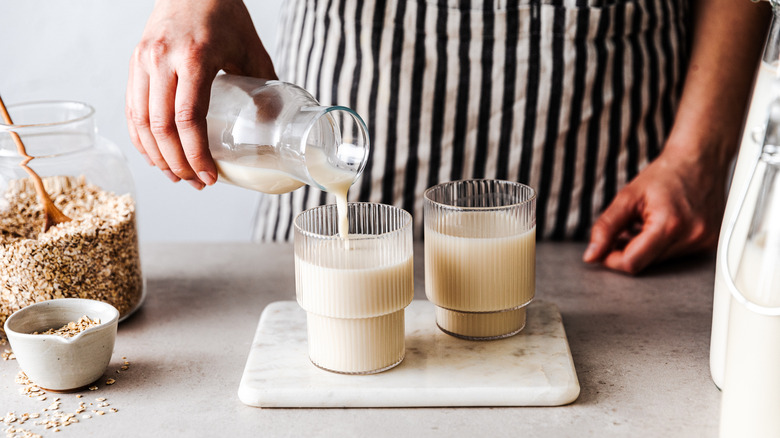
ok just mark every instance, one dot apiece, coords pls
pixel 51 213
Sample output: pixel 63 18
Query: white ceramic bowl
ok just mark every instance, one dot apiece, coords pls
pixel 57 363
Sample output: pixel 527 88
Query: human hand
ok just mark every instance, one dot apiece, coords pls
pixel 672 208
pixel 183 47
pixel 675 205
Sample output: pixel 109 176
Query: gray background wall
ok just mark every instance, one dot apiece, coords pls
pixel 80 50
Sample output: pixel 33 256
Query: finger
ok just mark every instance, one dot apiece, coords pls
pixel 657 235
pixel 192 101
pixel 129 117
pixel 140 114
pixel 616 219
pixel 258 64
pixel 134 137
pixel 162 95
pixel 698 236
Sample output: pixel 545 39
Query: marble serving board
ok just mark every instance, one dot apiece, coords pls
pixel 533 368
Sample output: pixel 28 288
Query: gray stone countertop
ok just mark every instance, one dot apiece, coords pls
pixel 640 346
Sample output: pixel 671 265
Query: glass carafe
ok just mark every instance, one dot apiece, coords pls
pixel 751 385
pixel 749 151
pixel 274 137
pixel 95 255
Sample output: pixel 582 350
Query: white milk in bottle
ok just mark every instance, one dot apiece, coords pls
pixel 750 406
pixel 763 92
pixel 257 172
pixel 750 403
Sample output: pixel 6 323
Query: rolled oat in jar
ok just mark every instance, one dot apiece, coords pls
pixel 94 256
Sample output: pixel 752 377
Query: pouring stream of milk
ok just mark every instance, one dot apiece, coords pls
pixel 264 173
pixel 333 180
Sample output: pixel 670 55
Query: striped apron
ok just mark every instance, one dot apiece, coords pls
pixel 572 97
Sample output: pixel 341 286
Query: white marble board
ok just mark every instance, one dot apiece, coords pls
pixel 533 368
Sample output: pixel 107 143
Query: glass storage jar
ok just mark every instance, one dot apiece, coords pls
pixel 95 255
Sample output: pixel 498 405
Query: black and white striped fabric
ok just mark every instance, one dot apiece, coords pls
pixel 572 97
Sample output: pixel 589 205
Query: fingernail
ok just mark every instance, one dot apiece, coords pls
pixel 148 160
pixel 590 251
pixel 196 184
pixel 171 176
pixel 207 177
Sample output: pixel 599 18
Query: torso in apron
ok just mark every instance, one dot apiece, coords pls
pixel 571 97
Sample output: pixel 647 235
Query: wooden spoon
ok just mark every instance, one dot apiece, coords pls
pixel 52 214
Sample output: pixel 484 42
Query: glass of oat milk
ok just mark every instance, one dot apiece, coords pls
pixel 480 247
pixel 354 289
pixel 751 386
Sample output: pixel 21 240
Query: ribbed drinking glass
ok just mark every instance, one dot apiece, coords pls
pixel 355 290
pixel 480 246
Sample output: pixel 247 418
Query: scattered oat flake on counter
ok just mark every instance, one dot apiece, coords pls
pixel 20 433
pixel 56 416
pixel 10 418
pixel 8 355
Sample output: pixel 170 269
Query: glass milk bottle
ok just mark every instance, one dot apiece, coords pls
pixel 750 148
pixel 274 137
pixel 750 405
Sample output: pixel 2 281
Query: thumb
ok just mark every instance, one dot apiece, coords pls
pixel 255 62
pixel 259 64
pixel 612 222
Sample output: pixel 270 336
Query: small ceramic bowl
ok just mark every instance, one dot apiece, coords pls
pixel 57 363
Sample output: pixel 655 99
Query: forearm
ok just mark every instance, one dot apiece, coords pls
pixel 727 42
